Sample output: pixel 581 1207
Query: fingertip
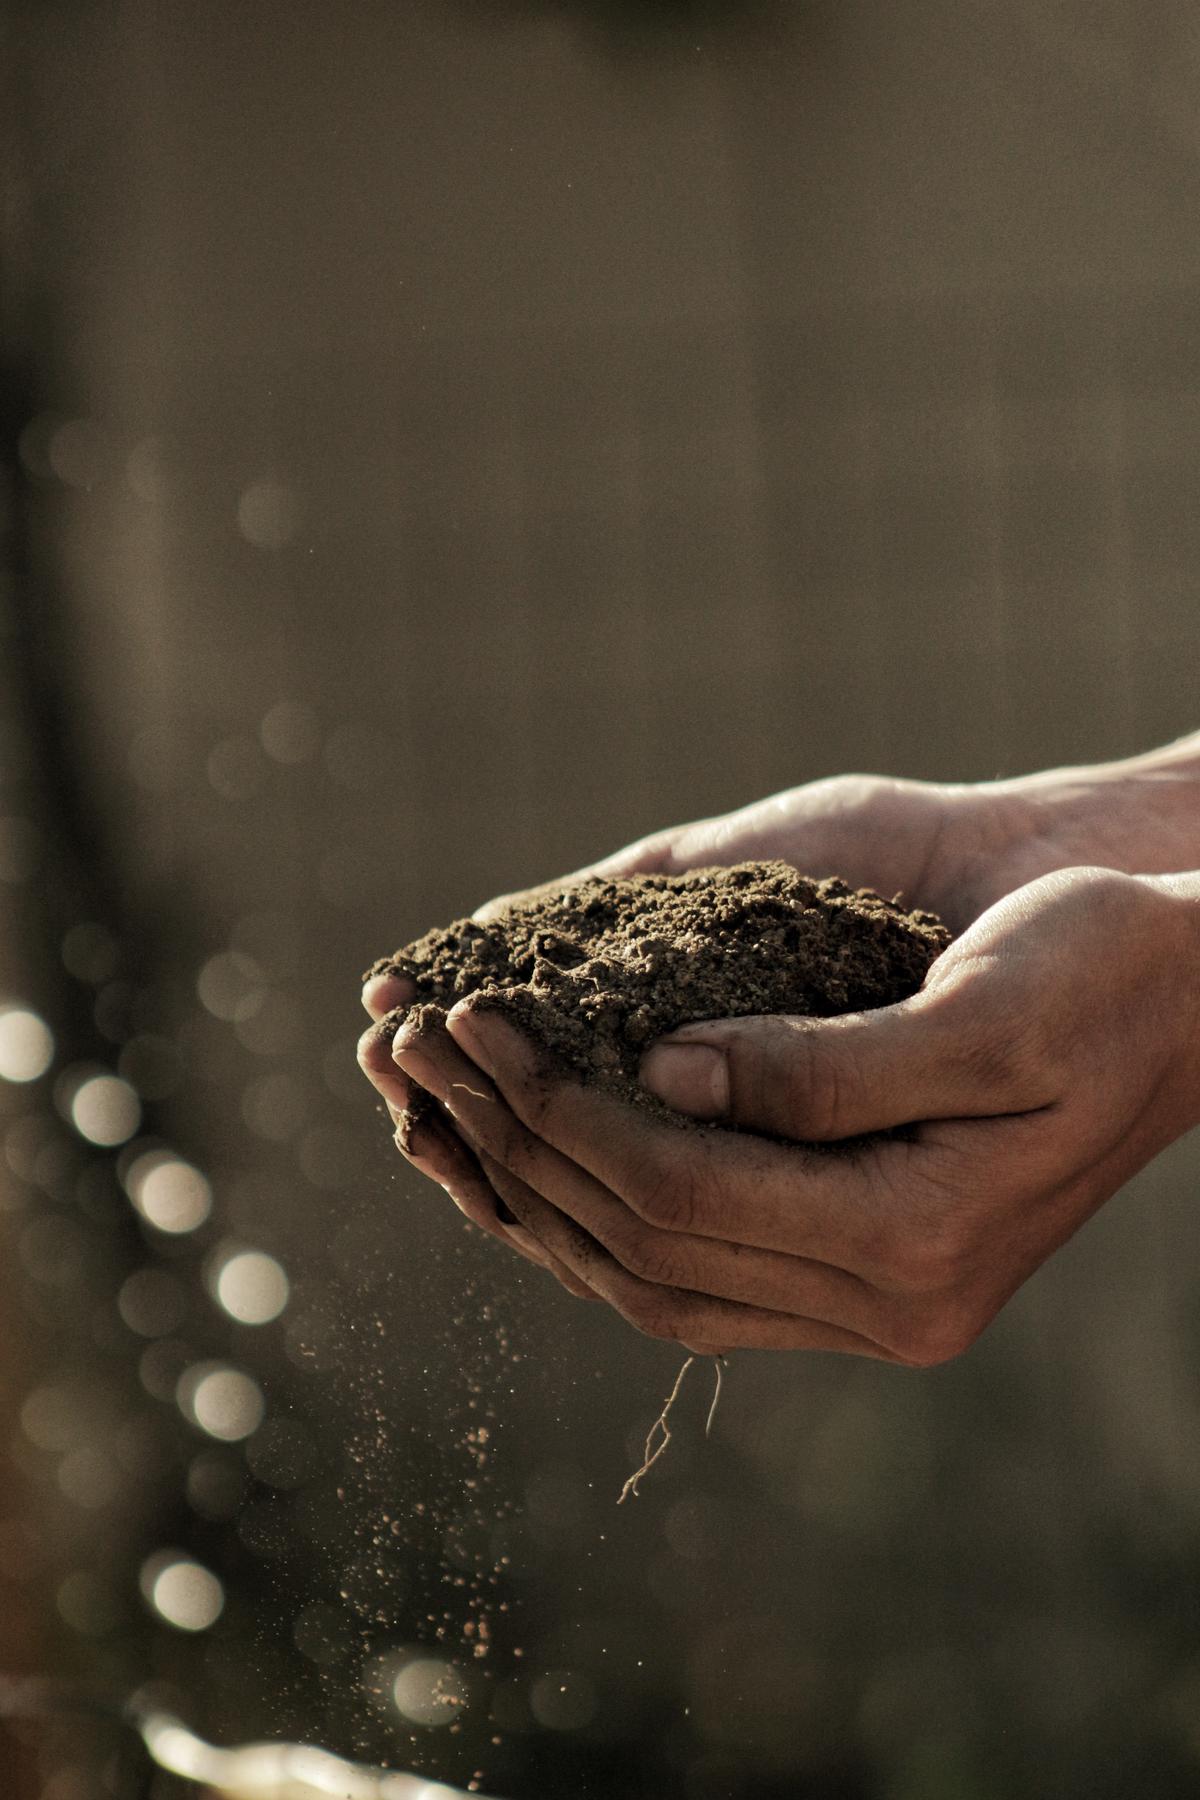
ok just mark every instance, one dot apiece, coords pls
pixel 382 994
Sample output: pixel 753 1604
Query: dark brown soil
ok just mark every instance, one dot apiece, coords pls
pixel 597 970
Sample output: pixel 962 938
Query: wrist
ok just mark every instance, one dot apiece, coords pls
pixel 1181 892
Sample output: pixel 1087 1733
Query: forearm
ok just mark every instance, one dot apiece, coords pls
pixel 1141 815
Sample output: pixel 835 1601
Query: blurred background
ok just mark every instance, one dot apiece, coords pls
pixel 442 441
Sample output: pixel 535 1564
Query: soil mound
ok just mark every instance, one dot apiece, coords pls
pixel 596 970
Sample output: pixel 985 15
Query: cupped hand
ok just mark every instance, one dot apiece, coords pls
pixel 1053 1051
pixel 950 847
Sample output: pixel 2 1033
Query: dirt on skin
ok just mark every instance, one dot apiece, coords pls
pixel 596 970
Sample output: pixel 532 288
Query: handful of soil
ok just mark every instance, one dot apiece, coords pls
pixel 597 970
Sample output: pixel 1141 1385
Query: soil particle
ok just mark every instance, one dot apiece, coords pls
pixel 596 970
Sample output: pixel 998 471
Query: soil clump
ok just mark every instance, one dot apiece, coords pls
pixel 596 970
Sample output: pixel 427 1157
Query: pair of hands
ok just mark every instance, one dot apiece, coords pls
pixel 1053 1050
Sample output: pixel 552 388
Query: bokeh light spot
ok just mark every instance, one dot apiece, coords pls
pixel 183 1592
pixel 33 445
pixel 268 514
pixel 231 985
pixel 77 453
pixel 252 1287
pixel 169 1193
pixel 26 1044
pixel 428 1691
pixel 224 1402
pixel 105 1110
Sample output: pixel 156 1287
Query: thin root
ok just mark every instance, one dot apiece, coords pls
pixel 470 1090
pixel 719 1366
pixel 653 1451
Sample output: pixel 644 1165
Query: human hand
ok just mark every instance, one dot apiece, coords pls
pixel 1053 1051
pixel 892 835
pixel 953 847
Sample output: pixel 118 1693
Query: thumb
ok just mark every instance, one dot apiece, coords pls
pixel 815 1080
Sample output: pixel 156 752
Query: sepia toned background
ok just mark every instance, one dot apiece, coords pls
pixel 442 442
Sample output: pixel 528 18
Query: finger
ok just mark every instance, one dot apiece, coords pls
pixel 819 1080
pixel 386 993
pixel 440 1068
pixel 828 1205
pixel 504 1183
pixel 436 1151
pixel 430 1058
pixel 764 1278
pixel 377 1064
pixel 690 1319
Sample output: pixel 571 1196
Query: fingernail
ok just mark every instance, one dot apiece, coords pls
pixel 693 1078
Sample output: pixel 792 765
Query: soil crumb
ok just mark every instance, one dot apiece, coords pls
pixel 596 970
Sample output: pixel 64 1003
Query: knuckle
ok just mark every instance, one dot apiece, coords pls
pixel 651 1261
pixel 859 796
pixel 820 1084
pixel 938 1336
pixel 1006 1040
pixel 679 1187
pixel 923 1242
pixel 667 1196
pixel 1016 1055
pixel 820 1090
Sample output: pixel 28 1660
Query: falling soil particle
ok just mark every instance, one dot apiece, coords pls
pixel 594 971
